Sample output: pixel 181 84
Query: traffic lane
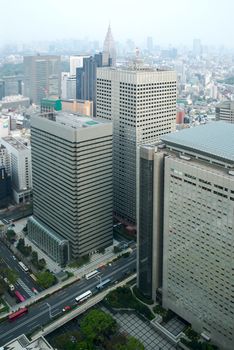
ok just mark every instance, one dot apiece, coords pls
pixel 7 255
pixel 40 312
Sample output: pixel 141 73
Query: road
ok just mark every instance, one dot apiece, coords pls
pixel 24 283
pixel 39 314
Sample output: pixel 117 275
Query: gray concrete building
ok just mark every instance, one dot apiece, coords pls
pixel 72 179
pixel 141 102
pixel 186 188
pixel 225 111
pixel 42 77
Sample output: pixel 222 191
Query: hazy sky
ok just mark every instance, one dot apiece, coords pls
pixel 167 21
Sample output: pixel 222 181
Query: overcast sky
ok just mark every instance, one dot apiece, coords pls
pixel 167 21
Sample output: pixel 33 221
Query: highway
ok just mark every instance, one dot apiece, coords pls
pixel 25 283
pixel 39 314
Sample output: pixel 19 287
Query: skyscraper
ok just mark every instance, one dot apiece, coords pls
pixel 186 205
pixel 86 79
pixel 42 77
pixel 141 102
pixel 109 50
pixel 72 181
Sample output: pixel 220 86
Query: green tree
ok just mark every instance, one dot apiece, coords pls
pixel 10 235
pixel 21 244
pixel 41 264
pixel 11 275
pixel 3 287
pixel 131 344
pixel 96 325
pixel 45 279
pixel 34 257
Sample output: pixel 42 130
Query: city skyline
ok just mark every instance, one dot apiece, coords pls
pixel 179 26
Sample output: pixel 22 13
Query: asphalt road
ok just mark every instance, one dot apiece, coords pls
pixel 39 314
pixel 25 283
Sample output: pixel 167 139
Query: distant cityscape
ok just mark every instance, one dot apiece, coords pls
pixel 116 195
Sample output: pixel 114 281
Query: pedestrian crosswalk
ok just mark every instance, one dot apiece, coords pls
pixel 23 285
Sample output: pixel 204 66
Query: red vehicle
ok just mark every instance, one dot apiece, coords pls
pixel 19 297
pixel 66 308
pixel 14 315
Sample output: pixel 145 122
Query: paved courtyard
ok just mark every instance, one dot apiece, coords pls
pixel 134 326
pixel 175 326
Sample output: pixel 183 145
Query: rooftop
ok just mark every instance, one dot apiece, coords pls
pixel 214 139
pixel 77 121
pixel 138 67
pixel 17 144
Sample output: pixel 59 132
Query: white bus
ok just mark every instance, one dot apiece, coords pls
pixel 84 296
pixel 23 266
pixel 92 274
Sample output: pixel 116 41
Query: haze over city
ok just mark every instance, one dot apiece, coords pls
pixel 168 22
pixel 116 175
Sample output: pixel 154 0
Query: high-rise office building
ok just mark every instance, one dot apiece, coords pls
pixel 42 77
pixel 76 62
pixel 13 85
pixel 86 79
pixel 109 50
pixel 186 205
pixel 141 102
pixel 225 111
pixel 72 184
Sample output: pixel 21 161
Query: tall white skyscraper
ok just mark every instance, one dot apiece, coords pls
pixel 141 102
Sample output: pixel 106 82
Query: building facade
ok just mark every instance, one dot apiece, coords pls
pixel 86 79
pixel 42 77
pixel 72 179
pixel 18 163
pixel 191 216
pixel 225 111
pixel 109 50
pixel 141 102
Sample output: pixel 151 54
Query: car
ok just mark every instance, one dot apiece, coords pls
pixel 66 308
pixel 14 258
pixel 34 290
pixel 6 280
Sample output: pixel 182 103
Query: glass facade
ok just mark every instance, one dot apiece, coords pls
pixel 146 227
pixel 49 241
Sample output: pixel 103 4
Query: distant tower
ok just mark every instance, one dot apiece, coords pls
pixel 109 51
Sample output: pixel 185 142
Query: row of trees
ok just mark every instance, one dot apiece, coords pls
pixel 97 330
pixel 40 264
pixel 5 272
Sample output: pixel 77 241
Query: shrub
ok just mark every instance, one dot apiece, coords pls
pixel 141 296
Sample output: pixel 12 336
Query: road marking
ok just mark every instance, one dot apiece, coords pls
pixel 60 303
pixel 26 289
